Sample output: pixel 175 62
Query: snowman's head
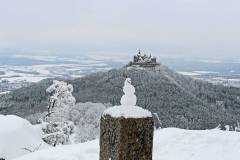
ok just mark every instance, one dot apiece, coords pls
pixel 128 80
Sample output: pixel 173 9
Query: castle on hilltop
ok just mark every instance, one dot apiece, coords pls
pixel 144 61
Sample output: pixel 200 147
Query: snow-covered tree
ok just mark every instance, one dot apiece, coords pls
pixel 57 128
pixel 60 100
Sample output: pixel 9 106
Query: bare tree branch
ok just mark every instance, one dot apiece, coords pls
pixel 34 149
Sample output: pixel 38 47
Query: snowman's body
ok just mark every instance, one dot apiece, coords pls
pixel 129 97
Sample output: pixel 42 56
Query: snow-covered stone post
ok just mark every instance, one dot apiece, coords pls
pixel 126 130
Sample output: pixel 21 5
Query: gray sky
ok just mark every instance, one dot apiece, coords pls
pixel 184 28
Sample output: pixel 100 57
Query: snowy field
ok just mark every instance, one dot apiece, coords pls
pixel 35 73
pixel 169 144
pixel 20 70
pixel 35 68
pixel 229 79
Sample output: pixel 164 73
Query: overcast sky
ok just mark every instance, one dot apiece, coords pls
pixel 182 28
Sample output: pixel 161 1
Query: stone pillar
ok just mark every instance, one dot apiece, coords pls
pixel 126 138
pixel 126 131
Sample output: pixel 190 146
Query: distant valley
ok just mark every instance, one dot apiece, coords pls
pixel 18 71
pixel 225 72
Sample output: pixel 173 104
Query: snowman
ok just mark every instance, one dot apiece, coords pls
pixel 129 98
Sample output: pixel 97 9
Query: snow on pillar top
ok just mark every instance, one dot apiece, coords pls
pixel 128 108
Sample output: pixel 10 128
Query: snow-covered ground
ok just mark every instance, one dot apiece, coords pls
pixel 169 144
pixel 18 137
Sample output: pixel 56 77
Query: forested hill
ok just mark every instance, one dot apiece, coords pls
pixel 180 101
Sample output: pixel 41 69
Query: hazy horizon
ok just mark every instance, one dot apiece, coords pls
pixel 195 29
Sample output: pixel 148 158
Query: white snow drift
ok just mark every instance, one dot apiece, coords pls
pixel 169 144
pixel 17 136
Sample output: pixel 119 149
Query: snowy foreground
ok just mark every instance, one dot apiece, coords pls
pixel 18 137
pixel 169 144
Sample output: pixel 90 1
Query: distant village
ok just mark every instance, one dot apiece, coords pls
pixel 6 86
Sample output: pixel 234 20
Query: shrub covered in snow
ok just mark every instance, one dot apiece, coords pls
pixel 235 127
pixel 86 117
pixel 57 133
